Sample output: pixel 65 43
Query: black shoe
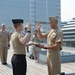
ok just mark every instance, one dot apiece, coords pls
pixel 4 63
pixel 62 73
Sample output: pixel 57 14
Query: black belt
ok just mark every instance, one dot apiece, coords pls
pixel 19 54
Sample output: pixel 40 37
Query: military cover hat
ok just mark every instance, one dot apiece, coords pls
pixel 15 21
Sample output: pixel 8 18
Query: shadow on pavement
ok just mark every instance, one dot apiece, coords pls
pixel 9 66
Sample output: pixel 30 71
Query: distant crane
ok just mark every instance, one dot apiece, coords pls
pixel 33 14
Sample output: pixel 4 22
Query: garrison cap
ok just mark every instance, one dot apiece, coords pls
pixel 54 18
pixel 15 21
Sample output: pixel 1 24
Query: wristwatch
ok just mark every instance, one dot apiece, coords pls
pixel 45 47
pixel 29 31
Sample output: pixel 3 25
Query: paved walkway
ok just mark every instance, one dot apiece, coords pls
pixel 35 68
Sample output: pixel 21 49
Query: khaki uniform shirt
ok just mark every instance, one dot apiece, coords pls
pixel 54 36
pixel 4 36
pixel 18 47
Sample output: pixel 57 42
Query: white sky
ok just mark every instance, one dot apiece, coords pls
pixel 67 10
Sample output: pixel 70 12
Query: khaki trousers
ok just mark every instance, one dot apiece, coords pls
pixel 3 53
pixel 54 63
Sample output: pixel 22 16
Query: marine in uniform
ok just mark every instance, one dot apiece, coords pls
pixel 4 42
pixel 18 41
pixel 54 45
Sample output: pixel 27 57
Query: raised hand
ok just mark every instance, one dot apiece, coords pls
pixel 38 25
pixel 28 26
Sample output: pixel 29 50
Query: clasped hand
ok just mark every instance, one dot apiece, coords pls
pixel 40 46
